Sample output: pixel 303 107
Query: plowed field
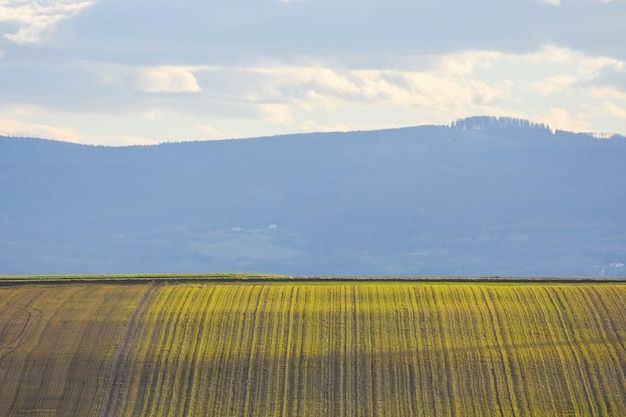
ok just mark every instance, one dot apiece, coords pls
pixel 56 343
pixel 313 349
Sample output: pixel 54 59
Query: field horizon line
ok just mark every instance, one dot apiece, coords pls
pixel 164 278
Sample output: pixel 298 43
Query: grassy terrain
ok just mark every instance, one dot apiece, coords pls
pixel 300 348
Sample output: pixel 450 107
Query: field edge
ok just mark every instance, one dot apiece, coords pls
pixel 235 277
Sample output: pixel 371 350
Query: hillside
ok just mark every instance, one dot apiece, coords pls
pixel 484 196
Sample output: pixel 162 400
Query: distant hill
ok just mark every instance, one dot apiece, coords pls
pixel 483 196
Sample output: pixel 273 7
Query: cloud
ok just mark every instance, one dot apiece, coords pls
pixel 276 113
pixel 606 93
pixel 329 88
pixel 209 130
pixel 127 140
pixel 590 66
pixel 37 18
pixel 181 69
pixel 550 53
pixel 612 77
pixel 449 93
pixel 12 127
pixel 553 85
pixel 614 110
pixel 313 126
pixel 561 119
pixel 216 133
pixel 349 31
pixel 167 79
pixel 466 62
pixel 300 94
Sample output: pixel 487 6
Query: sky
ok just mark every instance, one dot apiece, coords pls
pixel 123 72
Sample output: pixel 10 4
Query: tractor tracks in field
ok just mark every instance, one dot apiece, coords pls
pixel 29 317
pixel 115 380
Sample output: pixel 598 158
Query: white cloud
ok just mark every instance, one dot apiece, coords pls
pixel 561 119
pixel 466 62
pixel 118 67
pixel 565 88
pixel 13 127
pixel 313 126
pixel 37 18
pixel 166 79
pixel 575 63
pixel 303 80
pixel 151 114
pixel 451 93
pixel 276 113
pixel 312 87
pixel 606 93
pixel 210 130
pixel 553 85
pixel 550 53
pixel 216 133
pixel 590 66
pixel 127 140
pixel 614 110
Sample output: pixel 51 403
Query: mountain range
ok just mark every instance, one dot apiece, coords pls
pixel 483 196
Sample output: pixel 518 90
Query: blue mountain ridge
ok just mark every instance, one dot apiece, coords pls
pixel 482 197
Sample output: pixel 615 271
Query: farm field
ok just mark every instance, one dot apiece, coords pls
pixel 298 348
pixel 56 343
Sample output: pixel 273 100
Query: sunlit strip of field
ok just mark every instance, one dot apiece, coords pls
pixel 376 349
pixel 56 344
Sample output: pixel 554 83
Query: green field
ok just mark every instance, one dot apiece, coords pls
pixel 300 348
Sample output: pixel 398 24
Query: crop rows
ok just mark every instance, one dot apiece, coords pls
pixel 379 349
pixel 56 344
pixel 311 349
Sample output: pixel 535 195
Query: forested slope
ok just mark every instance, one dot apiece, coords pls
pixel 484 196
